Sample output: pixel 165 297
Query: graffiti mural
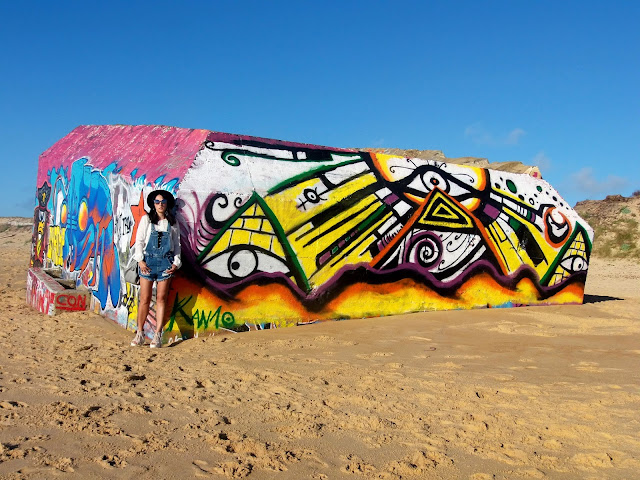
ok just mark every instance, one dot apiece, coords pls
pixel 82 208
pixel 277 234
pixel 316 231
pixel 41 292
pixel 40 226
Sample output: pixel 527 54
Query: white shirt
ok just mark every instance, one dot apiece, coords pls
pixel 144 232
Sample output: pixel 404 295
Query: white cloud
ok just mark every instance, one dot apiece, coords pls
pixel 481 136
pixel 478 134
pixel 586 182
pixel 542 161
pixel 514 136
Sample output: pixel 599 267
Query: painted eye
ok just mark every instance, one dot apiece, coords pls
pixel 434 179
pixel 428 181
pixel 242 262
pixel 63 214
pixel 311 196
pixel 423 183
pixel 574 264
pixel 83 215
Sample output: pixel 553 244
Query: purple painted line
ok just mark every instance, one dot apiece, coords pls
pixel 277 144
pixel 391 199
pixel 324 258
pixel 492 211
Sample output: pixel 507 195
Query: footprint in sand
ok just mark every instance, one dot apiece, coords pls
pixel 12 405
pixel 587 461
pixel 203 469
pixel 368 356
pixel 452 365
pixel 592 367
pixel 394 365
pixel 111 461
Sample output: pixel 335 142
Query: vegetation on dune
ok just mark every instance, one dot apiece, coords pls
pixel 616 226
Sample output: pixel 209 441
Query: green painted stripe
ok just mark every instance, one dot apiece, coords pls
pixel 306 175
pixel 302 277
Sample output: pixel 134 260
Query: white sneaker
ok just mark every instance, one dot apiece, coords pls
pixel 157 340
pixel 138 340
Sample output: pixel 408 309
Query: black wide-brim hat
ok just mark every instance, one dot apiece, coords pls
pixel 166 195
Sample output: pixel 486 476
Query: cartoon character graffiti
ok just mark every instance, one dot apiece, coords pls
pixel 85 213
pixel 40 226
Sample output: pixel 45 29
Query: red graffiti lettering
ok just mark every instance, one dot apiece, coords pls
pixel 70 302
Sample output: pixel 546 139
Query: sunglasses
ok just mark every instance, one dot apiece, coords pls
pixel 158 202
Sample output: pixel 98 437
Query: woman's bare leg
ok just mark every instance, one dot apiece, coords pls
pixel 162 292
pixel 144 302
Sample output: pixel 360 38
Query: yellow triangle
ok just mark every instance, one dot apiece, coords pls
pixel 442 211
pixel 578 242
pixel 252 227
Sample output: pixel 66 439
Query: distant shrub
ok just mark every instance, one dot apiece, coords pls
pixel 636 193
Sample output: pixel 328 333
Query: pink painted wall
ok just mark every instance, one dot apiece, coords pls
pixel 155 151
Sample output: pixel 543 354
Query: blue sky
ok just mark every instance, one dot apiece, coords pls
pixel 550 83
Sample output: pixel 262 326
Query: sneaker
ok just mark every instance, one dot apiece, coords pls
pixel 157 340
pixel 138 340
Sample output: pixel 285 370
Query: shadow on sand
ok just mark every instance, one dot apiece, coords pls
pixel 599 298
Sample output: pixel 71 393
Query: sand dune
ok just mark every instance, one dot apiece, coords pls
pixel 520 393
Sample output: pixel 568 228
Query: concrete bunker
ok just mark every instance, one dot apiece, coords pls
pixel 277 234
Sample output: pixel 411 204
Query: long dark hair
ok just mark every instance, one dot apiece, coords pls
pixel 153 215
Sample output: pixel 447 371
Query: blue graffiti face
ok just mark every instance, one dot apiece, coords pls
pixel 86 213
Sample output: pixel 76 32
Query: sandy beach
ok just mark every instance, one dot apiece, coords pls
pixel 534 392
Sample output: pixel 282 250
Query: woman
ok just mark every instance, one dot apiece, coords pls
pixel 157 251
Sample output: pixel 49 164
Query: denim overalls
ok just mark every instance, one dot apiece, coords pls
pixel 158 255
